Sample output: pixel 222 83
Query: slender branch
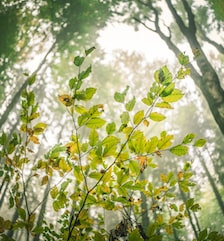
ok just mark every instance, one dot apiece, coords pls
pixel 191 22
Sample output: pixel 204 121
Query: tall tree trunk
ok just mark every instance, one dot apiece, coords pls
pixel 209 81
pixel 213 185
pixel 18 93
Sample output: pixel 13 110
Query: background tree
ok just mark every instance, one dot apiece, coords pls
pixel 184 16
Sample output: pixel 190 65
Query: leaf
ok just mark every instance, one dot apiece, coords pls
pixel 134 167
pixel 148 101
pixel 93 137
pixel 78 60
pixel 200 142
pixel 54 192
pixel 90 50
pixel 138 117
pixel 203 235
pixel 34 139
pixel 95 123
pixel 64 166
pixel 163 76
pixel 89 92
pixel 130 105
pixel 95 175
pixel 167 90
pixel 125 117
pixel 84 74
pixel 183 59
pixel 164 105
pixel 152 144
pixel 174 96
pixel 165 142
pixel 119 97
pixel 31 79
pixel 39 128
pixel 188 138
pixel 155 116
pixel 44 180
pixel 110 128
pixel 66 100
pixel 179 150
pixel 22 213
pixel 135 236
pixel 182 73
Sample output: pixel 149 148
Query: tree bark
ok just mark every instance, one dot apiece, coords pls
pixel 209 82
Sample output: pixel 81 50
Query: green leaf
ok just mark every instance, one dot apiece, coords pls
pixel 167 90
pixel 200 142
pixel 138 117
pixel 163 76
pixel 203 235
pixel 134 167
pixel 130 105
pixel 110 128
pixel 72 83
pixel 39 128
pixel 125 117
pixel 182 73
pixel 189 202
pixel 155 116
pixel 110 141
pixel 31 79
pixel 93 137
pixel 164 105
pixel 119 97
pixel 78 60
pixel 183 59
pixel 3 139
pixel 148 101
pixel 179 150
pixel 135 236
pixel 22 213
pixel 89 92
pixel 188 138
pixel 174 96
pixel 54 192
pixel 84 74
pixel 90 50
pixel 165 142
pixel 80 109
pixel 151 145
pixel 95 123
pixel 95 175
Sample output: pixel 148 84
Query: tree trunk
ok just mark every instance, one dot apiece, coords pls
pixel 16 97
pixel 209 82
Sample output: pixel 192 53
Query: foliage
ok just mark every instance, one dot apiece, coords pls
pixel 101 166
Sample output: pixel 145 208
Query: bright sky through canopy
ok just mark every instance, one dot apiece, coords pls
pixel 124 37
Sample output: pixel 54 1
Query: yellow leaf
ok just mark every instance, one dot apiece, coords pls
pixel 65 100
pixel 169 229
pixel 181 207
pixel 163 177
pixel 146 122
pixel 44 180
pixel 180 175
pixel 143 162
pixel 34 139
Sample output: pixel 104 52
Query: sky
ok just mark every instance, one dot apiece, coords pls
pixel 121 36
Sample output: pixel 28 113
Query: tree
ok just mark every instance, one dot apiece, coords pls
pixel 30 26
pixel 150 15
pixel 100 166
